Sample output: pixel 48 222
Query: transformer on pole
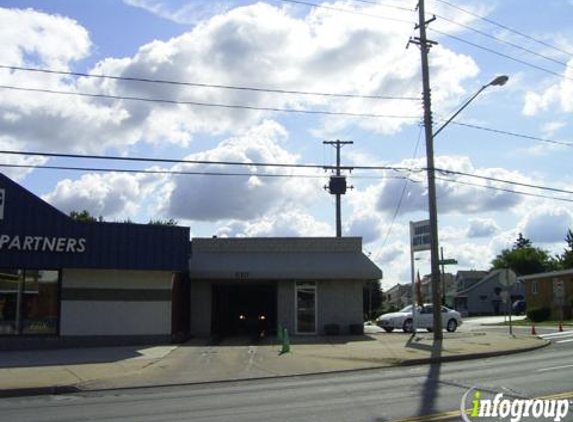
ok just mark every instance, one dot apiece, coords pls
pixel 337 185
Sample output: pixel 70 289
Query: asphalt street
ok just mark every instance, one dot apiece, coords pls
pixel 417 393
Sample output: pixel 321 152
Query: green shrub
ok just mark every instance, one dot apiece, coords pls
pixel 538 314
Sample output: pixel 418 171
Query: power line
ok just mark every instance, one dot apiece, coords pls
pixel 352 12
pixel 203 104
pixel 514 134
pixel 389 6
pixel 494 179
pixel 265 175
pixel 202 162
pixel 184 173
pixel 409 170
pixel 162 160
pixel 444 34
pixel 535 195
pixel 399 205
pixel 152 171
pixel 501 40
pixel 497 53
pixel 202 85
pixel 477 31
pixel 507 28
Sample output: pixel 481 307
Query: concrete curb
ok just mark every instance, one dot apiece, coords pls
pixel 77 388
pixel 39 391
pixel 472 356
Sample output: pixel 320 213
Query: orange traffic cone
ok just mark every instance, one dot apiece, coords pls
pixel 533 332
pixel 560 326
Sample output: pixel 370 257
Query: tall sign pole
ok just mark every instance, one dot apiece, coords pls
pixel 337 184
pixel 425 46
pixel 419 241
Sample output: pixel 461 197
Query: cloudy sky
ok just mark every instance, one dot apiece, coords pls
pixel 520 132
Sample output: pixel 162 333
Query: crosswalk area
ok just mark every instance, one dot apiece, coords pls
pixel 559 337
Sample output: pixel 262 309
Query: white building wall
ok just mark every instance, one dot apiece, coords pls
pixel 339 302
pixel 82 318
pixel 115 302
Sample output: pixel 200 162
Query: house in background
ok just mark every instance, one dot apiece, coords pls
pixel 484 296
pixel 466 279
pixel 398 297
pixel 553 290
pixel 448 283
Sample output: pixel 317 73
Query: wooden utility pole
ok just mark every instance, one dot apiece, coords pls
pixel 337 184
pixel 425 46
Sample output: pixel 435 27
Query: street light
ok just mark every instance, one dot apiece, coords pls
pixel 498 81
pixel 432 203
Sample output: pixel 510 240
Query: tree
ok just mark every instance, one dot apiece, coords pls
pixel 371 298
pixel 566 258
pixel 159 222
pixel 84 216
pixel 522 242
pixel 525 259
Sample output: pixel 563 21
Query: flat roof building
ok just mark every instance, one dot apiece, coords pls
pixel 302 284
pixel 66 283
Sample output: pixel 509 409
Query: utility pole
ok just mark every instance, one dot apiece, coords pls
pixel 443 276
pixel 337 184
pixel 425 46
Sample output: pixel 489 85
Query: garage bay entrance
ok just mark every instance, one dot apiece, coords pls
pixel 244 309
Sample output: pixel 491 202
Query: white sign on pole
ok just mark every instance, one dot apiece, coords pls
pixel 504 296
pixel 420 238
pixel 508 278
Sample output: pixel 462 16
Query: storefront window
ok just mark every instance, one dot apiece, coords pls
pixel 28 302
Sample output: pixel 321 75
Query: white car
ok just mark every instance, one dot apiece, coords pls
pixel 402 319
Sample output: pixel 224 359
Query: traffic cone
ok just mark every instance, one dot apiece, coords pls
pixel 533 332
pixel 285 342
pixel 560 326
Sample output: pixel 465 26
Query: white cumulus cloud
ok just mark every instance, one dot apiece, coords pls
pixel 111 195
pixel 546 224
pixel 286 223
pixel 213 198
pixel 481 227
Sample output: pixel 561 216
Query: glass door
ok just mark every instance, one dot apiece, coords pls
pixel 305 300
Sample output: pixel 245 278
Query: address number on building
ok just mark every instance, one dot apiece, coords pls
pixel 241 275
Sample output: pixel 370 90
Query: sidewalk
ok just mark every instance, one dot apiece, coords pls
pixel 199 361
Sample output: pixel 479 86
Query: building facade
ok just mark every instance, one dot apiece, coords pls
pixel 69 283
pixel 551 290
pixel 486 296
pixel 258 285
pixel 397 297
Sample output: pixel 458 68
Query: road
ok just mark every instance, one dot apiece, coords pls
pixel 395 394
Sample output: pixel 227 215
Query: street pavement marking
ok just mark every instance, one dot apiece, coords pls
pixel 554 368
pixel 435 417
pixel 564 341
pixel 556 396
pixel 456 413
pixel 558 334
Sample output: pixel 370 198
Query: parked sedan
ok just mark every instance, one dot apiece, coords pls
pixel 402 319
